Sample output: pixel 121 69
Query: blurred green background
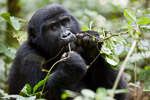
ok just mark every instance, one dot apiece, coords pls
pixel 105 13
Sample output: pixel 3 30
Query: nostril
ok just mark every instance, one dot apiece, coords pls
pixel 66 35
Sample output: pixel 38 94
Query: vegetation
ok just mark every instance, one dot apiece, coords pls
pixel 124 32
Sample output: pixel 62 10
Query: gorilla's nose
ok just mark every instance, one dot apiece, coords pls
pixel 66 34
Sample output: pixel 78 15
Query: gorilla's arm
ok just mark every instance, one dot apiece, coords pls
pixel 100 70
pixel 91 47
pixel 67 75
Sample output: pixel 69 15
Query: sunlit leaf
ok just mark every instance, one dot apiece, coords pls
pixel 118 39
pixel 105 49
pixel 85 28
pixel 111 61
pixel 91 23
pixel 144 75
pixel 6 16
pixel 38 85
pixel 146 27
pixel 143 20
pixel 93 38
pixel 88 93
pixel 118 91
pixel 3 47
pixel 15 23
pixel 64 96
pixel 130 15
pixel 42 82
pixel 37 94
pixel 98 29
pixel 26 90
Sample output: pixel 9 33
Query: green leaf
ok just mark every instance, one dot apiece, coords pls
pixel 93 38
pixel 118 91
pixel 118 39
pixel 47 77
pixel 147 67
pixel 99 30
pixel 100 93
pixel 21 20
pixel 144 75
pixel 91 23
pixel 111 61
pixel 88 93
pixel 3 47
pixel 64 96
pixel 15 23
pixel 105 49
pixel 26 91
pixel 38 85
pixel 110 44
pixel 6 16
pixel 130 15
pixel 17 97
pixel 85 28
pixel 37 94
pixel 42 82
pixel 146 27
pixel 129 28
pixel 143 20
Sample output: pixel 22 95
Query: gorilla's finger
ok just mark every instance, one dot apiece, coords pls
pixel 92 43
pixel 79 35
pixel 64 55
pixel 85 41
pixel 71 53
pixel 79 38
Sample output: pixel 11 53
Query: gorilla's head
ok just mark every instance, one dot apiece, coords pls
pixel 52 28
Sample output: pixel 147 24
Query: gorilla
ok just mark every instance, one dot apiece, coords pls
pixel 50 30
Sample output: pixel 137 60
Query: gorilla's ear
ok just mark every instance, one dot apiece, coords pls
pixel 32 33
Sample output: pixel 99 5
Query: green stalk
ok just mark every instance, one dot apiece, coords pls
pixel 122 68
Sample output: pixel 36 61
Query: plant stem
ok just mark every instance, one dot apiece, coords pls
pixel 69 47
pixel 122 68
pixel 51 70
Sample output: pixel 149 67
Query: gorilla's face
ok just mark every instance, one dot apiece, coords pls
pixel 59 30
pixel 52 28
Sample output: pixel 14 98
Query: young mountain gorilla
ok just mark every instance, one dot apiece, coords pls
pixel 49 32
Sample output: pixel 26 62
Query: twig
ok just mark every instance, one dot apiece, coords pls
pixel 54 56
pixel 102 40
pixel 122 68
pixel 69 47
pixel 95 59
pixel 51 70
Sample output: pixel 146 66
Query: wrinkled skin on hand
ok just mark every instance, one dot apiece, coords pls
pixel 91 46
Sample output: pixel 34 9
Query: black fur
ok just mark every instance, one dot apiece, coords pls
pixel 71 73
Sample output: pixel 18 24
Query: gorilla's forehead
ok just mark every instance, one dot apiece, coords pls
pixel 51 11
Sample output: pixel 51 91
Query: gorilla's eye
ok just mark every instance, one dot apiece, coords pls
pixel 53 27
pixel 65 21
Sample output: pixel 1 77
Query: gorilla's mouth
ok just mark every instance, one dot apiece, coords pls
pixel 67 39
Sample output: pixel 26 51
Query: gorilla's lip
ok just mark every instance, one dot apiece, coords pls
pixel 71 38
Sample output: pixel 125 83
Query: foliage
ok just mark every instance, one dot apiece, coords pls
pixel 86 94
pixel 116 43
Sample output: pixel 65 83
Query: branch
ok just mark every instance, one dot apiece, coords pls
pixel 122 68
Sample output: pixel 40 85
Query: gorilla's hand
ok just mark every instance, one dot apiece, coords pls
pixel 74 63
pixel 90 46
